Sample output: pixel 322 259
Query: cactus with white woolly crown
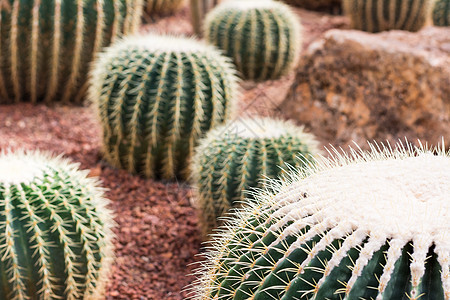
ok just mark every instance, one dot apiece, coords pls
pixel 240 156
pixel 441 13
pixel 162 7
pixel 47 46
pixel 55 240
pixel 361 225
pixel 263 37
pixel 381 15
pixel 156 96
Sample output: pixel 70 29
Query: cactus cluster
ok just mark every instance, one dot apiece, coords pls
pixel 441 13
pixel 156 96
pixel 240 156
pixel 362 225
pixel 56 231
pixel 162 7
pixel 263 37
pixel 381 15
pixel 314 4
pixel 47 45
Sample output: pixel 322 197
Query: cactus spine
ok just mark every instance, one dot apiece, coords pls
pixel 55 240
pixel 239 156
pixel 156 97
pixel 381 15
pixel 162 7
pixel 47 45
pixel 441 13
pixel 261 36
pixel 361 225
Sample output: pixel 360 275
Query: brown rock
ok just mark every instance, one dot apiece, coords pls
pixel 359 86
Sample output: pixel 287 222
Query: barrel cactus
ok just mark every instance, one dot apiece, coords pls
pixel 381 15
pixel 156 96
pixel 263 37
pixel 441 13
pixel 55 240
pixel 162 7
pixel 241 155
pixel 362 225
pixel 47 45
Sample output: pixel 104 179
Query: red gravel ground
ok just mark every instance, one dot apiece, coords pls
pixel 157 237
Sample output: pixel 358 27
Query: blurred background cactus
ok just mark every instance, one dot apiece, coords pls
pixel 381 15
pixel 199 9
pixel 156 96
pixel 56 230
pixel 162 7
pixel 239 156
pixel 441 13
pixel 322 5
pixel 262 36
pixel 46 46
pixel 361 225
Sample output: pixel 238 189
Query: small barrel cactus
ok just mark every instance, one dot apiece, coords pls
pixel 441 13
pixel 362 225
pixel 55 240
pixel 263 37
pixel 239 156
pixel 162 7
pixel 381 15
pixel 156 96
pixel 46 46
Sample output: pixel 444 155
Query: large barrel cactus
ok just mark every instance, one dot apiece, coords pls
pixel 55 240
pixel 46 46
pixel 441 13
pixel 162 7
pixel 156 96
pixel 381 15
pixel 362 225
pixel 240 156
pixel 262 36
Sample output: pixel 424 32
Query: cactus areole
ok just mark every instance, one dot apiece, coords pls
pixel 363 225
pixel 55 232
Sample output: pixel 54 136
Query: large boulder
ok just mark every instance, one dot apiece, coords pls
pixel 356 86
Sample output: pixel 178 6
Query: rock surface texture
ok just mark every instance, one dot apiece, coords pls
pixel 353 86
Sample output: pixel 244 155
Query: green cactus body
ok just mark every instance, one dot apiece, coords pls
pixel 262 37
pixel 381 15
pixel 162 7
pixel 47 45
pixel 239 156
pixel 156 96
pixel 55 240
pixel 441 13
pixel 361 225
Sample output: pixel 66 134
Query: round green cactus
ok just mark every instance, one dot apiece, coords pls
pixel 55 240
pixel 156 96
pixel 314 4
pixel 381 15
pixel 362 225
pixel 239 156
pixel 263 37
pixel 441 13
pixel 162 7
pixel 47 46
